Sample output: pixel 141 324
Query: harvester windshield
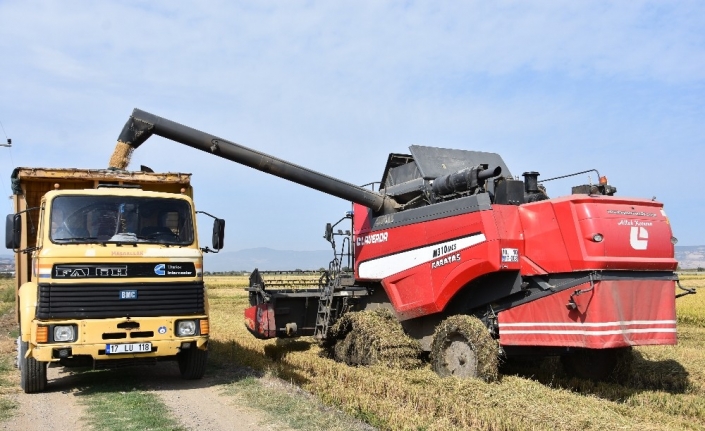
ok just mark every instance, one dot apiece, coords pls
pixel 120 219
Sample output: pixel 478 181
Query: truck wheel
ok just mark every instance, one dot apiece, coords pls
pixel 463 347
pixel 192 362
pixel 33 374
pixel 599 364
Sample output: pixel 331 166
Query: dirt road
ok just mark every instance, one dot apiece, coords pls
pixel 195 404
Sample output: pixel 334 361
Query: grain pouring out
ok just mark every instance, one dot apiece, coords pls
pixel 121 156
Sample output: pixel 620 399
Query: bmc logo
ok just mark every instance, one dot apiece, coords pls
pixel 638 238
pixel 128 294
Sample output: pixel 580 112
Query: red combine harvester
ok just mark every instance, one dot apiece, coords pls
pixel 452 233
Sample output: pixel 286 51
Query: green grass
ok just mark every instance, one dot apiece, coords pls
pixel 114 403
pixel 7 366
pixel 7 358
pixel 7 409
pixel 7 293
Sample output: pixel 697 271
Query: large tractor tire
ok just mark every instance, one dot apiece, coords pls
pixel 606 365
pixel 33 374
pixel 463 347
pixel 372 337
pixel 192 363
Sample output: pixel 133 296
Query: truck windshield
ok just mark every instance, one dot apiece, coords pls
pixel 120 219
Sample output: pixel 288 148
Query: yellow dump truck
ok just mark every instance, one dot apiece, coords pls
pixel 108 270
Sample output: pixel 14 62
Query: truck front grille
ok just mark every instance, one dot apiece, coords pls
pixel 81 301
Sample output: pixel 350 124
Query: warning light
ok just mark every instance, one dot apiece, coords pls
pixel 603 181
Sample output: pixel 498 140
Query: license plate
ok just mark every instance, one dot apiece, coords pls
pixel 112 349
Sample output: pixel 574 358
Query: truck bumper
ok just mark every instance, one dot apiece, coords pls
pixel 94 335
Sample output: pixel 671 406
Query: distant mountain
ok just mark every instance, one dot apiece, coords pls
pixel 266 259
pixel 690 257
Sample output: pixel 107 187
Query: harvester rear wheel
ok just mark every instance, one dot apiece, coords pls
pixel 372 337
pixel 463 347
pixel 599 364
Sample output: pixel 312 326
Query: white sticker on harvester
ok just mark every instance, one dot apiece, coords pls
pixel 382 267
pixel 510 255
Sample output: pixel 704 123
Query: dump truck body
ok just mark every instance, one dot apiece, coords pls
pixel 109 272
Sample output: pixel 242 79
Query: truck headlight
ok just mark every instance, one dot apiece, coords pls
pixel 184 328
pixel 63 333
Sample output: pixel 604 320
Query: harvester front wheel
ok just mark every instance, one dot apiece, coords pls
pixel 373 337
pixel 599 364
pixel 192 363
pixel 463 347
pixel 33 374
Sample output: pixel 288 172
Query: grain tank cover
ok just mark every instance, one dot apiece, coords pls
pixel 435 162
pixel 428 163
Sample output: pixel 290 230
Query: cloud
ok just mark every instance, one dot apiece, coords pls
pixel 336 86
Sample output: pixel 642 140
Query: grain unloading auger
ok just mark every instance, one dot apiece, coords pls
pixel 472 262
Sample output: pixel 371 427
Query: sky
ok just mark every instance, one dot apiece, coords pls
pixel 553 87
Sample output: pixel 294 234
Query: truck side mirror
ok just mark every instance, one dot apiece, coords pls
pixel 329 232
pixel 13 231
pixel 218 233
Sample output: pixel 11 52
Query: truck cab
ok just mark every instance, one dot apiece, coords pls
pixel 109 271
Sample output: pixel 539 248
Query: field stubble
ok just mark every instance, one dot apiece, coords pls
pixel 664 391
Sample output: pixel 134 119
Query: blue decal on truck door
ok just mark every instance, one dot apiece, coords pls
pixel 159 269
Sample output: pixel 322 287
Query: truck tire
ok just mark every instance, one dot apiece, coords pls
pixel 33 374
pixel 463 347
pixel 192 363
pixel 605 365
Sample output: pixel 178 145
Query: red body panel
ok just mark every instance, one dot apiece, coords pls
pixel 613 314
pixel 423 265
pixel 558 233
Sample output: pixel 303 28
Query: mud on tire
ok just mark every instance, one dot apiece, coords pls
pixel 463 347
pixel 372 337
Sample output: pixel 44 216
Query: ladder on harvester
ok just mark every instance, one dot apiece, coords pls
pixel 334 276
pixel 325 307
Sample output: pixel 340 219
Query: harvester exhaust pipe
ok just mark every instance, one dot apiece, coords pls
pixel 531 182
pixel 141 125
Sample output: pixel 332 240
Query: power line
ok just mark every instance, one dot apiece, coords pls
pixel 9 141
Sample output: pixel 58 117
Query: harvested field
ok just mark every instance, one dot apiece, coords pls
pixel 665 389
